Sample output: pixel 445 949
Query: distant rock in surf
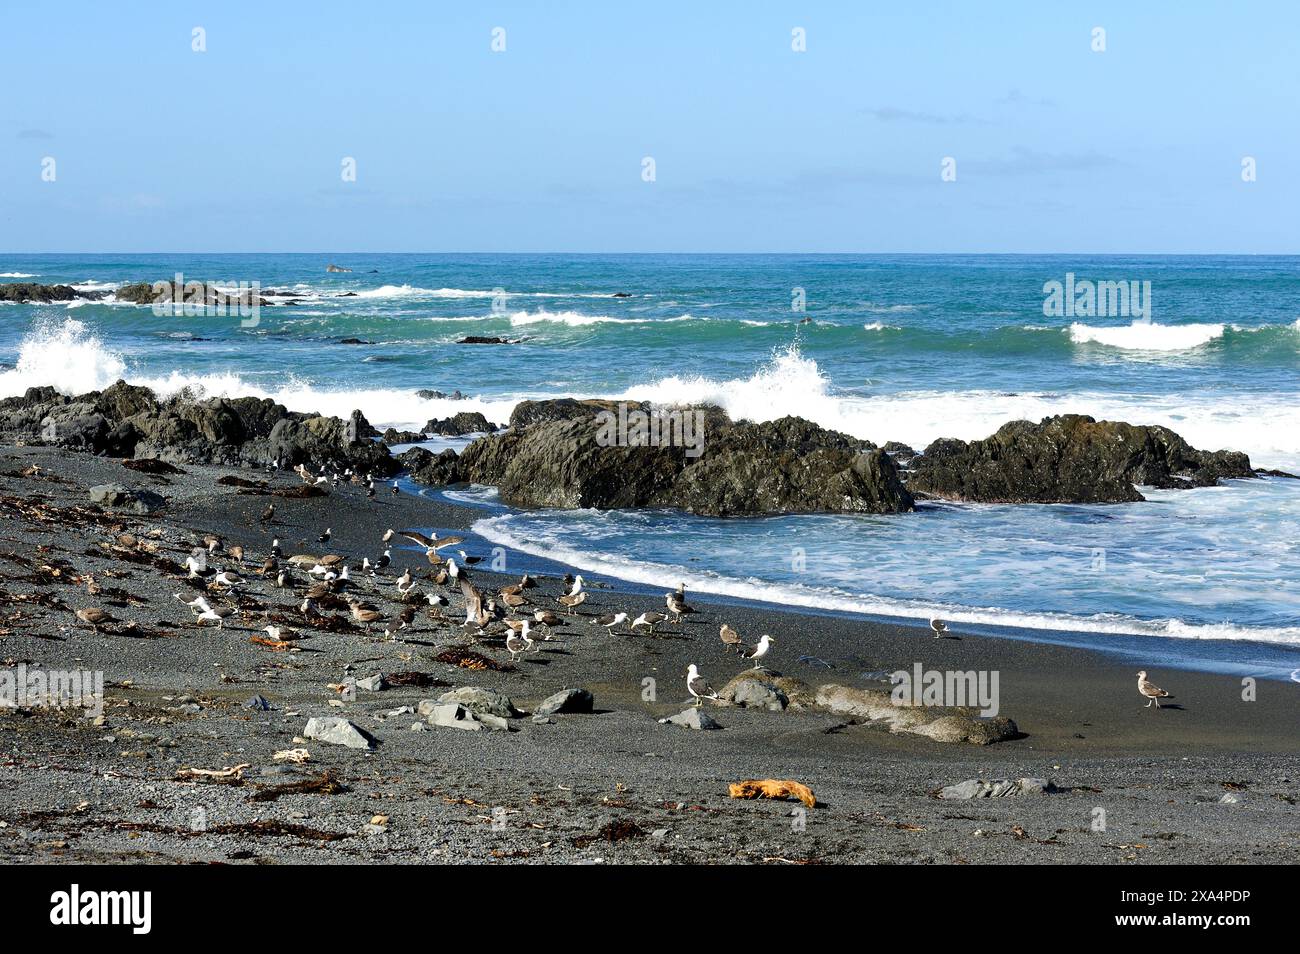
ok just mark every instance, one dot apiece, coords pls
pixel 1071 458
pixel 336 268
pixel 44 294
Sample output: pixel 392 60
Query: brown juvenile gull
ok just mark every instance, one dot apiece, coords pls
pixel 729 636
pixel 1150 690
pixel 571 603
pixel 95 617
pixel 698 686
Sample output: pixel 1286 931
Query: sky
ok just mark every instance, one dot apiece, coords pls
pixel 756 146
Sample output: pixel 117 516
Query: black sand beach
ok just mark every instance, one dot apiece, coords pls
pixel 614 785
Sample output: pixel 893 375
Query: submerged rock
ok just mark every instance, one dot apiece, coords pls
pixel 1071 458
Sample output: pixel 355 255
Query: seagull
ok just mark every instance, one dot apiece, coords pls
pixel 275 549
pixel 94 617
pixel 212 542
pixel 436 602
pixel 383 561
pixel 467 559
pixel 612 620
pixel 396 492
pixel 226 578
pixel 275 632
pixel 577 586
pixel 939 627
pixel 196 605
pixel 325 537
pixel 571 603
pixel 677 607
pixel 755 653
pixel 453 571
pixel 729 636
pixel 196 568
pixel 388 535
pixel 268 514
pixel 210 616
pixel 519 642
pixel 698 686
pixel 648 619
pixel 547 618
pixel 1150 690
pixel 404 582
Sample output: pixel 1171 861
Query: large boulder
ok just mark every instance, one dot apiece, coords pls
pixel 1068 459
pixel 466 422
pixel 566 454
pixel 940 723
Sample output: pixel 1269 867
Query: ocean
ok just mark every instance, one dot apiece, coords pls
pixel 903 348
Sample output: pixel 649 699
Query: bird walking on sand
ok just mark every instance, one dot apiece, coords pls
pixel 196 605
pixel 755 653
pixel 939 627
pixel 612 620
pixel 649 620
pixel 518 642
pixel 94 617
pixel 1150 691
pixel 571 603
pixel 729 636
pixel 268 514
pixel 698 686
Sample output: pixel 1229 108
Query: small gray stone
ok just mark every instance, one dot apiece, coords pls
pixel 372 683
pixel 338 731
pixel 543 720
pixel 567 701
pixel 1228 798
pixel 481 700
pixel 451 715
pixel 693 718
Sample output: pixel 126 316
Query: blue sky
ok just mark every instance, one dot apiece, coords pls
pixel 756 147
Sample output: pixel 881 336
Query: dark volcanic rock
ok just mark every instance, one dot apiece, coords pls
pixel 186 293
pixel 128 421
pixel 485 339
pixel 31 291
pixel 393 436
pixel 466 422
pixel 1068 459
pixel 563 458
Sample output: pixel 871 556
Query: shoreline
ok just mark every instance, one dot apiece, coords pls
pixel 1275 662
pixel 177 701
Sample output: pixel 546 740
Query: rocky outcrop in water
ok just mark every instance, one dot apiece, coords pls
pixel 194 294
pixel 43 294
pixel 1068 459
pixel 130 421
pixel 565 454
pixel 466 422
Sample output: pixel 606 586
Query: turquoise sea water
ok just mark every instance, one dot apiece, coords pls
pixel 907 348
